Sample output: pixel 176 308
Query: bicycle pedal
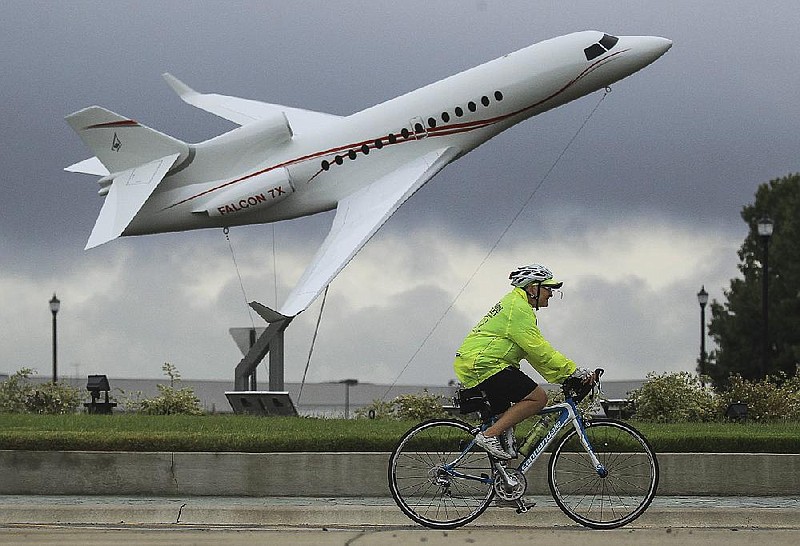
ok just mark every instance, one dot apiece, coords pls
pixel 523 507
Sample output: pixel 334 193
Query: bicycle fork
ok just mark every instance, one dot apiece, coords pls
pixel 598 466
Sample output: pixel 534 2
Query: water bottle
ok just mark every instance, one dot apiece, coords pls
pixel 538 431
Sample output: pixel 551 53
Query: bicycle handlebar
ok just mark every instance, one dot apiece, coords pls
pixel 578 390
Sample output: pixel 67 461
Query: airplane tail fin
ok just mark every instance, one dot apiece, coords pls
pixel 121 143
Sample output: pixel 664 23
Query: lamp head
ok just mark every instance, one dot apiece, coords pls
pixel 55 304
pixel 702 296
pixel 765 226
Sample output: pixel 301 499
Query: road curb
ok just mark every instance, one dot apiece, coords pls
pixel 338 474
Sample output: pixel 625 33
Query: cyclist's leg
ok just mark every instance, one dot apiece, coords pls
pixel 508 386
pixel 529 406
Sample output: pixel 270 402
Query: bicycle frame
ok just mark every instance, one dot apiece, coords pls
pixel 568 414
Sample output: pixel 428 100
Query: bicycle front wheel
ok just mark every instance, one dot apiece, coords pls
pixel 434 481
pixel 625 490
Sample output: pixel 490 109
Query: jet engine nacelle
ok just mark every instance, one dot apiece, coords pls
pixel 255 193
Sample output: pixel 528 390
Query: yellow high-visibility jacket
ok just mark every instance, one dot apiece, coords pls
pixel 504 336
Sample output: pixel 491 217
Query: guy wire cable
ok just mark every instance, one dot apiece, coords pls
pixel 497 242
pixel 226 231
pixel 275 265
pixel 313 341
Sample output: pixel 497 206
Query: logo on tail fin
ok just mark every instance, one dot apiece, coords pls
pixel 116 143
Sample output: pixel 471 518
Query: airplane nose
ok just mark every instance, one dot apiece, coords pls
pixel 661 44
pixel 654 47
pixel 644 50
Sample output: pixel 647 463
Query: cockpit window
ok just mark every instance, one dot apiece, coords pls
pixel 595 50
pixel 609 41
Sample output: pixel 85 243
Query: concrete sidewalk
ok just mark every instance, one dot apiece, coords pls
pixel 319 513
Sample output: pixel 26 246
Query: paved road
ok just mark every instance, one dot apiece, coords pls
pixel 682 521
pixel 379 537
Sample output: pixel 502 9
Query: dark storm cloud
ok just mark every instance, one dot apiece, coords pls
pixel 683 144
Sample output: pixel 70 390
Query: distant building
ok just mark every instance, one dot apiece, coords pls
pixel 318 399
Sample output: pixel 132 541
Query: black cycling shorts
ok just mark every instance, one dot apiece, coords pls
pixel 506 387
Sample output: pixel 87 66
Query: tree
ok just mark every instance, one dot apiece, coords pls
pixel 737 324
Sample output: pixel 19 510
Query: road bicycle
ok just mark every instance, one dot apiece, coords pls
pixel 602 472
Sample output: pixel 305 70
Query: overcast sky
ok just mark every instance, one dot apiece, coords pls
pixel 641 211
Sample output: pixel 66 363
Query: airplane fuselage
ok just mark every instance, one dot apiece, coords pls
pixel 281 174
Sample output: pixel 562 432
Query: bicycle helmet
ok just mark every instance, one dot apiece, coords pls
pixel 527 274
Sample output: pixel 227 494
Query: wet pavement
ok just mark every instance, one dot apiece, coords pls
pixel 683 521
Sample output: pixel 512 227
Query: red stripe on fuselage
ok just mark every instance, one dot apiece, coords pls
pixel 444 130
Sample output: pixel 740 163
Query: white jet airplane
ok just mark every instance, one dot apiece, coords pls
pixel 285 162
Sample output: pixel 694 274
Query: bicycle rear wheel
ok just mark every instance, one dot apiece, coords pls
pixel 430 480
pixel 617 498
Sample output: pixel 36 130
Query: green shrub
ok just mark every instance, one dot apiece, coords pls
pixel 773 398
pixel 170 400
pixel 378 409
pixel 674 398
pixel 418 407
pixel 19 395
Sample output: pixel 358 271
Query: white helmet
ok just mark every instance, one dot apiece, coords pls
pixel 526 274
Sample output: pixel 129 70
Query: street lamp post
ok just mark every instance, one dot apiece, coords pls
pixel 55 305
pixel 765 232
pixel 347 384
pixel 702 299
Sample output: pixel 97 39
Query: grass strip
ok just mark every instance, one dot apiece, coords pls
pixel 238 433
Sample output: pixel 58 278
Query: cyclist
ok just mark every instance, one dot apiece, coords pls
pixel 489 358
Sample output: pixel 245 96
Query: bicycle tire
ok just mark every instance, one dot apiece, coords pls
pixel 429 495
pixel 616 499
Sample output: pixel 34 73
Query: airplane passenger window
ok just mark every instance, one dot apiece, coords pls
pixel 498 95
pixel 459 111
pixel 431 123
pixel 485 100
pixel 445 117
pixel 472 106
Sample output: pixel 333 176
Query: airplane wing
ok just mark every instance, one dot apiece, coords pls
pixel 358 217
pixel 128 192
pixel 244 111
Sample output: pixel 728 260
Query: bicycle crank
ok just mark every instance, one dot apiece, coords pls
pixel 513 488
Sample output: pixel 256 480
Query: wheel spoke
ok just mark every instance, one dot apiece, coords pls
pixel 615 499
pixel 422 480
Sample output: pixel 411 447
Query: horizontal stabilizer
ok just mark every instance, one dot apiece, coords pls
pixel 88 166
pixel 358 217
pixel 244 111
pixel 121 143
pixel 128 192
